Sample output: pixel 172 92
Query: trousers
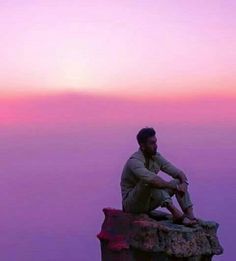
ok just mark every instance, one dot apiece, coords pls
pixel 144 198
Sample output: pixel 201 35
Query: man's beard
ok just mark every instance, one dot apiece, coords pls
pixel 154 152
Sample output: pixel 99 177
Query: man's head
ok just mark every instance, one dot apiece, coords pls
pixel 147 140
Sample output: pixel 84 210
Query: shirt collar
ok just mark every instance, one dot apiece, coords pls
pixel 139 155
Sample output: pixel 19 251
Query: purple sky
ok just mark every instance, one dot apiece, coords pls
pixel 78 79
pixel 61 164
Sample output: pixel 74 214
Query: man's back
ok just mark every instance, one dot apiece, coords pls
pixel 134 170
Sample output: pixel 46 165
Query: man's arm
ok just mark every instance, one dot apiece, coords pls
pixel 170 169
pixel 141 172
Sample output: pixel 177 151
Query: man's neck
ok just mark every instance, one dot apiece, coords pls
pixel 147 156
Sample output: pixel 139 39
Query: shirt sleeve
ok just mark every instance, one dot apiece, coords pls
pixel 140 171
pixel 168 167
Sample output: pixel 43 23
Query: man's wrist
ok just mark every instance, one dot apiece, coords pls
pixel 173 186
pixel 182 178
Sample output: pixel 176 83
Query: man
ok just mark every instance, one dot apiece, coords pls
pixel 142 190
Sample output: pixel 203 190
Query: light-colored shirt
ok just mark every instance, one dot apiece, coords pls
pixel 135 169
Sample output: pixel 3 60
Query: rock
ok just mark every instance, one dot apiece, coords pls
pixel 153 237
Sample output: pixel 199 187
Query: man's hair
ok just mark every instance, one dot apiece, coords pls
pixel 144 134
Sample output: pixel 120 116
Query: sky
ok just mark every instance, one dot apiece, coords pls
pixel 78 80
pixel 127 48
pixel 62 157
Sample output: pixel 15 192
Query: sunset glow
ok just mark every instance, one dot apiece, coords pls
pixel 78 80
pixel 138 48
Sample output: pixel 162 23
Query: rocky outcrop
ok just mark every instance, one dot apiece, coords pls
pixel 154 237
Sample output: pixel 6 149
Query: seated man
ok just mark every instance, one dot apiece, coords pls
pixel 142 190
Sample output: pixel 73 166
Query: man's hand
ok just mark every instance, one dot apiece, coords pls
pixel 182 188
pixel 182 177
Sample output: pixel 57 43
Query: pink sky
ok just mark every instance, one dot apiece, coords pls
pixel 78 79
pixel 126 48
pixel 80 109
pixel 61 161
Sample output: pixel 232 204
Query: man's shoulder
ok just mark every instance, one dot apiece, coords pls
pixel 133 161
pixel 136 156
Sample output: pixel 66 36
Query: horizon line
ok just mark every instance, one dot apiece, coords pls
pixel 117 96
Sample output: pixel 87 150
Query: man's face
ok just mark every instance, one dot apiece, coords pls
pixel 150 147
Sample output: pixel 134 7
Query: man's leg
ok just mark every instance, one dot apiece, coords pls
pixel 159 198
pixel 138 199
pixel 144 198
pixel 162 198
pixel 185 201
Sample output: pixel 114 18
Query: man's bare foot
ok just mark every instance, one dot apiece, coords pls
pixel 184 220
pixel 197 220
pixel 189 222
pixel 189 214
pixel 179 217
